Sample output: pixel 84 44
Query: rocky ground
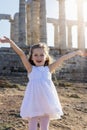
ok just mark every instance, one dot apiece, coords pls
pixel 73 97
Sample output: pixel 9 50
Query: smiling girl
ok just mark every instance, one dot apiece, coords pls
pixel 41 102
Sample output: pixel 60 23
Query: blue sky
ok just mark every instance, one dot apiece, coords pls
pixel 9 7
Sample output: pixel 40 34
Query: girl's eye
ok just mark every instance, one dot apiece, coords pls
pixel 42 55
pixel 35 55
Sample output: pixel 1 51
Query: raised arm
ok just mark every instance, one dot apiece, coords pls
pixel 19 52
pixel 85 53
pixel 58 62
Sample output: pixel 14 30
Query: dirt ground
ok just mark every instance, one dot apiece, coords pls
pixel 73 97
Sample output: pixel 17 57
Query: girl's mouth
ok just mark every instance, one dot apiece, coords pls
pixel 38 61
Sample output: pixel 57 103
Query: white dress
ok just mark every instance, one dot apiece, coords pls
pixel 40 96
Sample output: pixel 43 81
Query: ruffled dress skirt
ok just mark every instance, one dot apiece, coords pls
pixel 40 97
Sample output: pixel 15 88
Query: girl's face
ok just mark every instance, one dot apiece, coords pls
pixel 39 56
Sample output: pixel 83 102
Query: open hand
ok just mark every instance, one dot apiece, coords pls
pixel 82 53
pixel 5 40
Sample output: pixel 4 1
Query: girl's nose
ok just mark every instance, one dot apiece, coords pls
pixel 39 57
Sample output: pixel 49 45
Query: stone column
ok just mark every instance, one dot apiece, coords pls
pixel 81 30
pixel 43 26
pixel 62 25
pixel 55 35
pixel 22 23
pixel 33 23
pixel 12 29
pixel 16 28
pixel 28 24
pixel 69 36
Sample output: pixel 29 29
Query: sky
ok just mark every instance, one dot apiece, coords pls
pixel 12 6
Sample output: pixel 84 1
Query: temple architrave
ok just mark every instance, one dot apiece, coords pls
pixel 29 26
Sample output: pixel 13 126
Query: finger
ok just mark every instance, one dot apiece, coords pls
pixel 6 37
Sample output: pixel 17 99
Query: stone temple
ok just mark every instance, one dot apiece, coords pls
pixel 29 26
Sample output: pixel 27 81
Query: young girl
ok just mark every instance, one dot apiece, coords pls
pixel 41 102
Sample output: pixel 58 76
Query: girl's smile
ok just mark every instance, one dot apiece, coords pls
pixel 39 56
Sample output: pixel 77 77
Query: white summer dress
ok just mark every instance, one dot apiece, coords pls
pixel 40 97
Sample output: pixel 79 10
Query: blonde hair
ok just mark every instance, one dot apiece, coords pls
pixel 46 49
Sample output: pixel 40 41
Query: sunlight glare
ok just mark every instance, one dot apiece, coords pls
pixel 52 9
pixel 74 37
pixel 71 10
pixel 50 34
pixel 85 11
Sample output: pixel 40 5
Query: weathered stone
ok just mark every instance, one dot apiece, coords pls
pixel 74 69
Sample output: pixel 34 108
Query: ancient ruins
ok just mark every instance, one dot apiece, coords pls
pixel 29 26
